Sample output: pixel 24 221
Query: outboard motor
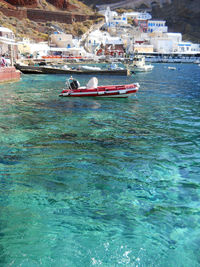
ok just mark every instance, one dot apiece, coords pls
pixel 74 85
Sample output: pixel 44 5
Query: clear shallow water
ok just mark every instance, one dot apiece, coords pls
pixel 113 182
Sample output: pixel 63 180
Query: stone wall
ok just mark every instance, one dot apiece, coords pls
pixel 45 16
pixel 39 15
pixel 62 17
pixel 20 14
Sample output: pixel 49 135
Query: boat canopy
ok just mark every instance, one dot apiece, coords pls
pixel 93 83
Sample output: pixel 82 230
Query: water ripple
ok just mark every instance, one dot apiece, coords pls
pixel 86 182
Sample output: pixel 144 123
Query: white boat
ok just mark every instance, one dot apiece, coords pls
pixel 172 68
pixel 139 65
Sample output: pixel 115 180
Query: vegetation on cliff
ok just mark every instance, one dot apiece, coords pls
pixel 39 31
pixel 181 16
pixel 52 5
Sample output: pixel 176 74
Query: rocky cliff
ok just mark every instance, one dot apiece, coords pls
pixel 67 5
pixel 29 3
pixel 62 4
pixel 181 16
pixel 35 18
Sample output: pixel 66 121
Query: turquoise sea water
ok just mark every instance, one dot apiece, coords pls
pixel 108 182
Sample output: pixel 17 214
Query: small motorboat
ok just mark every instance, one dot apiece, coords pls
pixel 93 90
pixel 139 65
pixel 172 68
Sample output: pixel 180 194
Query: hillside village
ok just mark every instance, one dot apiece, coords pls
pixel 117 35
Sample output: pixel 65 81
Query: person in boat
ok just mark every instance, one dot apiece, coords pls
pixel 3 62
pixel 74 84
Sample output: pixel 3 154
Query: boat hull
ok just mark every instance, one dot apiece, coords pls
pixel 118 91
pixel 145 68
pixel 49 70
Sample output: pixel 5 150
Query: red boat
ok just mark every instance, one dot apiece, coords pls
pixel 93 90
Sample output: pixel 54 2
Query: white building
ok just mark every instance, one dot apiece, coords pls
pixel 143 48
pixel 188 47
pixel 138 15
pixel 162 45
pixel 114 41
pixel 176 39
pixel 175 36
pixel 37 50
pixel 157 26
pixel 7 38
pixel 195 48
pixel 6 34
pixel 95 39
pixel 60 39
pixel 8 46
pixel 112 18
pixel 73 52
pixel 118 20
pixel 108 14
pixel 172 42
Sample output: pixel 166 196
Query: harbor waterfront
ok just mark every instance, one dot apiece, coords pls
pixel 92 182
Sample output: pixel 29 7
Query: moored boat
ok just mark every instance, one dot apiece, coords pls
pixel 93 90
pixel 139 65
pixel 172 68
pixel 60 70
